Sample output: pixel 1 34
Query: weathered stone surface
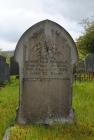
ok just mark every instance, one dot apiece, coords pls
pixel 4 71
pixel 46 55
pixel 14 69
pixel 89 63
pixel 81 66
pixel 7 134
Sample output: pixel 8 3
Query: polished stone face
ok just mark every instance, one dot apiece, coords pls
pixel 46 55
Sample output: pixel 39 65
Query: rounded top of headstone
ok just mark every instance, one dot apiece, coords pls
pixel 47 25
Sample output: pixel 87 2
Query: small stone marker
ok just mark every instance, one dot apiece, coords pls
pixel 46 55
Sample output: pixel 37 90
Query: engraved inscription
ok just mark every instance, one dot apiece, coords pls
pixel 36 69
pixel 47 57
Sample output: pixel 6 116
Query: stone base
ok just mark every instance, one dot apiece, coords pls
pixel 69 119
pixel 19 117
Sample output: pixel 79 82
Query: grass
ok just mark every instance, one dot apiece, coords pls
pixel 81 129
pixel 8 104
pixel 83 102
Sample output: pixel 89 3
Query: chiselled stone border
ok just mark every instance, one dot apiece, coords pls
pixel 7 134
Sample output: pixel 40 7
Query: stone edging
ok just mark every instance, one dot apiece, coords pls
pixel 7 134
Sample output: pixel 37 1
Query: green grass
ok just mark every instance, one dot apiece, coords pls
pixel 8 104
pixel 83 102
pixel 81 129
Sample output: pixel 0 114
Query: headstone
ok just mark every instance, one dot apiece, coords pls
pixel 81 66
pixel 4 71
pixel 14 69
pixel 46 55
pixel 89 63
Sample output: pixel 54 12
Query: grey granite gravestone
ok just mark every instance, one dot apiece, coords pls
pixel 14 69
pixel 81 66
pixel 4 70
pixel 46 55
pixel 89 63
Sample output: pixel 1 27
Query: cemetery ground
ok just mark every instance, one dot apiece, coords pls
pixel 81 129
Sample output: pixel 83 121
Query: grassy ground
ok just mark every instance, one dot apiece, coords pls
pixel 82 129
pixel 8 104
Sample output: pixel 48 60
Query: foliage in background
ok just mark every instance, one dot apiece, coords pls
pixel 85 43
